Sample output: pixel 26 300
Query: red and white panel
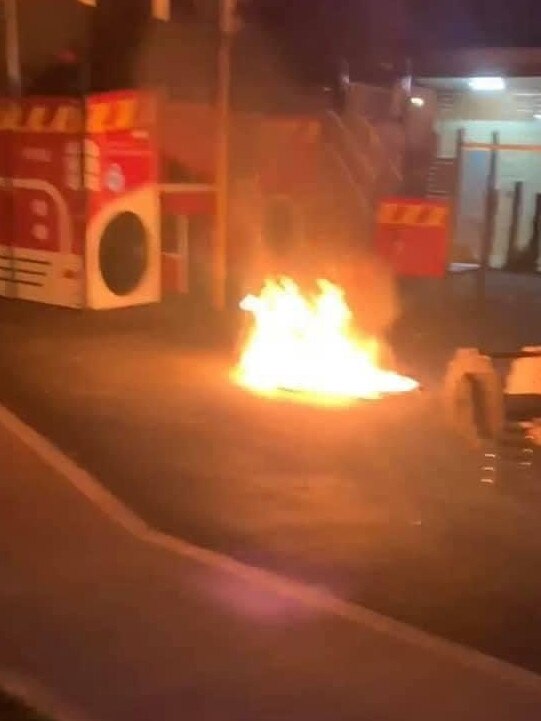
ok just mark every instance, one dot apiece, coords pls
pixel 41 201
pixel 123 244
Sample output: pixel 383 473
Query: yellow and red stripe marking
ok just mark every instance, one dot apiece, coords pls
pixel 425 215
pixel 103 115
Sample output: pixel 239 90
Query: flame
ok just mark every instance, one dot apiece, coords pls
pixel 306 345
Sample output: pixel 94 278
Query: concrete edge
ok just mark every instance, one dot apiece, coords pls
pixel 300 592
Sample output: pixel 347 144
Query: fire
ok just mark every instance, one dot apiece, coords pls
pixel 307 345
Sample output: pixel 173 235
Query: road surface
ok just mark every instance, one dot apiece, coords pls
pixel 105 619
pixel 378 503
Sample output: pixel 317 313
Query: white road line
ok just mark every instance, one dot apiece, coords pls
pixel 298 591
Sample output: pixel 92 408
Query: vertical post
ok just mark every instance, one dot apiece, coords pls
pixel 534 248
pixel 86 85
pixel 15 88
pixel 223 102
pixel 457 189
pixel 489 221
pixel 12 48
pixel 514 227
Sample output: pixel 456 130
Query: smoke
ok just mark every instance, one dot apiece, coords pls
pixel 370 289
pixel 181 56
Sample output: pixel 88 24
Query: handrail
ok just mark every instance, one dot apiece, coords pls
pixel 346 138
pixel 374 141
pixel 369 162
pixel 364 207
pixel 354 185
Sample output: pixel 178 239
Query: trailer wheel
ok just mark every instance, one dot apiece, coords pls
pixel 473 397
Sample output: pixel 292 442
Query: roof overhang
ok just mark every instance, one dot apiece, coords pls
pixel 473 62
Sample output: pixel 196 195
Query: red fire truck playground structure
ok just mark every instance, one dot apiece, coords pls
pixel 88 216
pixel 110 202
pixel 80 201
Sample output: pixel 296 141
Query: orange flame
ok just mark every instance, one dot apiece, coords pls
pixel 307 345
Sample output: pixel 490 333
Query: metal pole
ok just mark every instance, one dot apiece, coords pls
pixel 15 88
pixel 490 218
pixel 454 225
pixel 223 113
pixel 457 184
pixel 514 227
pixel 12 49
pixel 486 241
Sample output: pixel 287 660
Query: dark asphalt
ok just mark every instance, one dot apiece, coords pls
pixel 104 623
pixel 378 502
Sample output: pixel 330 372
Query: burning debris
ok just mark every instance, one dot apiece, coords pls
pixel 307 344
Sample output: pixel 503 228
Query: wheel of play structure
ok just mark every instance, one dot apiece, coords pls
pixel 473 397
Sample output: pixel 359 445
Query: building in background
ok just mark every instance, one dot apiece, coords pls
pixel 486 105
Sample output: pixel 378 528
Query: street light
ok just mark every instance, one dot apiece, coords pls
pixel 487 84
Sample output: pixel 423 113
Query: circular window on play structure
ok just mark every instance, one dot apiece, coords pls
pixel 123 253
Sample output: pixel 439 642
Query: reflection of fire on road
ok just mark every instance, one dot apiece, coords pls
pixel 307 345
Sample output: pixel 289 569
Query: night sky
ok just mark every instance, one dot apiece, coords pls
pixel 479 22
pixel 310 34
pixel 315 30
pixel 457 22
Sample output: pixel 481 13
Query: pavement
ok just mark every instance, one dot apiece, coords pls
pixel 378 503
pixel 105 619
